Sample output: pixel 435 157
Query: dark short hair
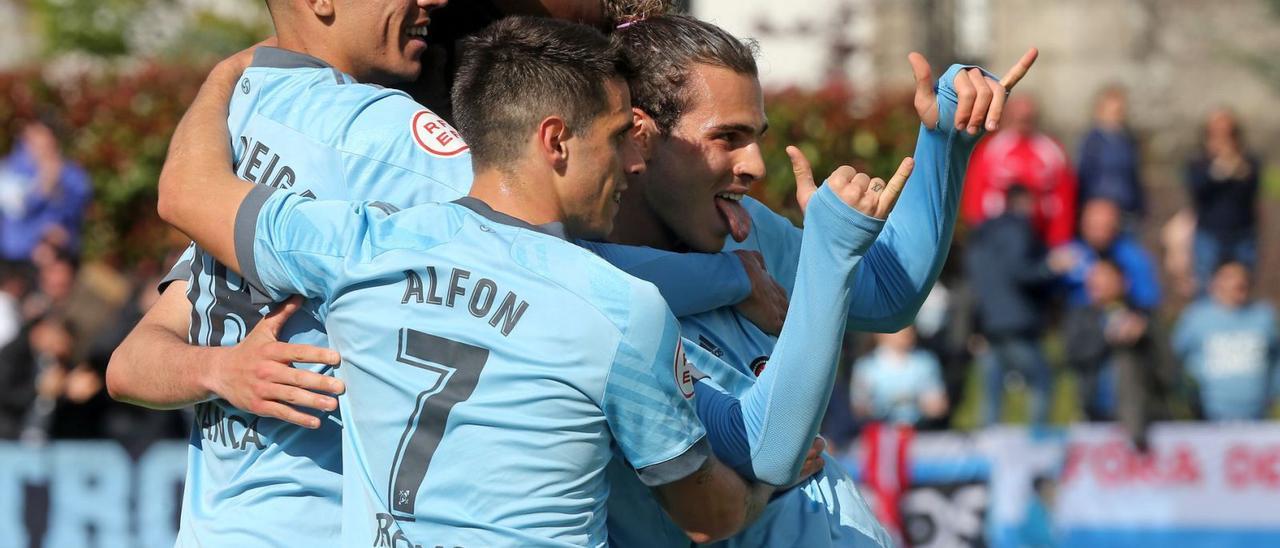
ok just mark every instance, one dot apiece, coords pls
pixel 521 70
pixel 664 49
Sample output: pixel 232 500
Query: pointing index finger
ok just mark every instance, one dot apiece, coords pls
pixel 1019 69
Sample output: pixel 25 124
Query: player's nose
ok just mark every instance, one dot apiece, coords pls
pixel 748 164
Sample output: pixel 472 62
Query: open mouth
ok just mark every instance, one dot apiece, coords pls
pixel 729 204
pixel 417 31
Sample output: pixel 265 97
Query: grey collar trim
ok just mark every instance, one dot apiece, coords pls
pixel 482 209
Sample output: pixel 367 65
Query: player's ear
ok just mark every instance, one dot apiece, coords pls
pixel 552 146
pixel 644 132
pixel 321 8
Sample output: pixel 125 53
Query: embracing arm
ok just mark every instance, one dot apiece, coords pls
pixel 198 192
pixel 155 367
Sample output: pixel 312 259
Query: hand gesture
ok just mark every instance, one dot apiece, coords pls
pixel 766 306
pixel 257 375
pixel 871 196
pixel 979 99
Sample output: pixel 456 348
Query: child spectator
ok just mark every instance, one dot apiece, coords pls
pixel 897 383
pixel 1110 345
pixel 1228 344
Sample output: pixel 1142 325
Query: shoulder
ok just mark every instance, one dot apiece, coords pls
pixel 620 298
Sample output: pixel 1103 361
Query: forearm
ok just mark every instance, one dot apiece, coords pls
pixel 199 193
pixel 713 503
pixel 901 267
pixel 155 366
pixel 691 283
pixel 784 408
pixel 158 369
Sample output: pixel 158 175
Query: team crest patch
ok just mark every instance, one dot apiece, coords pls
pixel 683 372
pixel 435 135
pixel 758 365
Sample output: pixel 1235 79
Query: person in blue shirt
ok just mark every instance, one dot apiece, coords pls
pixel 701 137
pixel 538 315
pixel 1102 235
pixel 898 383
pixel 1229 344
pixel 43 195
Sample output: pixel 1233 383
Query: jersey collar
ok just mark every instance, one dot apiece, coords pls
pixel 482 209
pixel 269 57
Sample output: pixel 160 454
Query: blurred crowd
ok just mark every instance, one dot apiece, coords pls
pixel 60 320
pixel 1050 280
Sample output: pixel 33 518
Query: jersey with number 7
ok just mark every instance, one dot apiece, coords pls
pixel 490 367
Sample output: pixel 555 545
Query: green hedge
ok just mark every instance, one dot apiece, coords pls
pixel 119 123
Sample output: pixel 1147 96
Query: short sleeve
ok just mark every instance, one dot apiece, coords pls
pixel 181 270
pixel 393 138
pixel 288 244
pixel 648 396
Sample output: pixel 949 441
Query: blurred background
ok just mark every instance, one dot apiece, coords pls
pixel 1097 366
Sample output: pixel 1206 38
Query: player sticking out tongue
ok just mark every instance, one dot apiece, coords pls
pixel 735 216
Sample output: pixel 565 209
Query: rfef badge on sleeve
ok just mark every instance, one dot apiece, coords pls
pixel 684 373
pixel 436 136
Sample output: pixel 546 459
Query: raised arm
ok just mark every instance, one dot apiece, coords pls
pixel 767 434
pixel 198 192
pixel 899 270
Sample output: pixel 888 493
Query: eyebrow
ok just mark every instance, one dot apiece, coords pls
pixel 743 128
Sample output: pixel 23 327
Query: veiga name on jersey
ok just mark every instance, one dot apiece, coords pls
pixel 479 297
pixel 260 165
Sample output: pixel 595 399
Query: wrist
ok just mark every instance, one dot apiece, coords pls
pixel 208 371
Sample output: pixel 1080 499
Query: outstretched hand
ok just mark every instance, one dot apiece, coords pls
pixel 870 196
pixel 980 100
pixel 258 376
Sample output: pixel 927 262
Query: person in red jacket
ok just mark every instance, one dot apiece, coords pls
pixel 1022 154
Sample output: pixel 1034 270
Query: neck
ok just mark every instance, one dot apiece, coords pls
pixel 315 42
pixel 528 199
pixel 638 224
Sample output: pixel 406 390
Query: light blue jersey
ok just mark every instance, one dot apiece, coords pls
pixel 1234 356
pixel 491 367
pixel 893 383
pixel 299 126
pixel 888 288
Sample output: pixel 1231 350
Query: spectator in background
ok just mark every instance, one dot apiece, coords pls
pixel 42 194
pixel 1110 162
pixel 1021 153
pixel 1011 276
pixel 1102 236
pixel 1223 185
pixel 1228 344
pixel 1110 345
pixel 897 383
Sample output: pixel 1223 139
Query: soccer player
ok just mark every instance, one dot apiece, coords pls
pixel 303 122
pixel 535 356
pixel 703 156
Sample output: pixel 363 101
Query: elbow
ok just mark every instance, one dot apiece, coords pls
pixel 718 526
pixel 117 388
pixel 166 204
